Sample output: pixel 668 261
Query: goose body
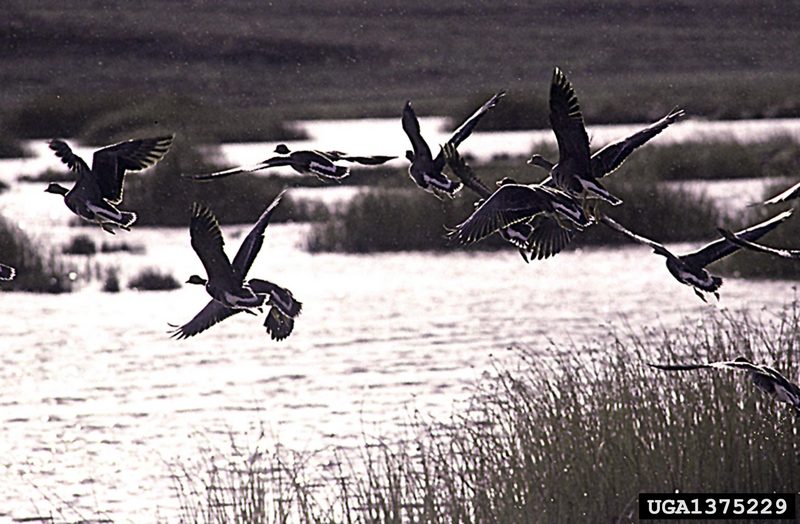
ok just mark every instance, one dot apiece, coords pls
pixel 321 164
pixel 690 269
pixel 573 172
pixel 230 292
pixel 765 378
pixel 425 169
pixel 98 190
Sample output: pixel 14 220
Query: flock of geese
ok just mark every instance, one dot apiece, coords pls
pixel 539 219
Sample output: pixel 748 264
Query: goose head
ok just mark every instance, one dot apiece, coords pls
pixel 539 160
pixel 196 279
pixel 282 149
pixel 52 187
pixel 410 156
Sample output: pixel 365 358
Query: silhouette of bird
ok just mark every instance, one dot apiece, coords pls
pixel 513 203
pixel 425 170
pixel 690 269
pixel 226 281
pixel 98 190
pixel 308 162
pixel 573 172
pixel 765 378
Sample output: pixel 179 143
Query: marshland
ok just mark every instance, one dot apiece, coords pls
pixel 423 381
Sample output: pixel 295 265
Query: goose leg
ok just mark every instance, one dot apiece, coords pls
pixel 699 294
pixel 107 228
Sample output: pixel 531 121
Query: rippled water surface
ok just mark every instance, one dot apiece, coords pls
pixel 98 405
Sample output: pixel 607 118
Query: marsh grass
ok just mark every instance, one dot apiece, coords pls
pixel 153 279
pixel 569 435
pixel 38 270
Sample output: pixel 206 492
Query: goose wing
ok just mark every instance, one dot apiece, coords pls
pixel 279 326
pixel 792 254
pixel 207 242
pixel 110 163
pixel 465 129
pixel 373 160
pixel 566 120
pixel 725 364
pixel 411 127
pixel 270 162
pixel 252 243
pixel 789 194
pixel 460 168
pixel 611 157
pixel 548 238
pixel 508 205
pixel 722 247
pixel 211 314
pixel 279 297
pixel 655 246
pixel 64 152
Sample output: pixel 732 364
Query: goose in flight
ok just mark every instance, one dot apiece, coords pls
pixel 515 234
pixel 226 283
pixel 7 272
pixel 425 170
pixel 307 162
pixel 765 378
pixel 573 172
pixel 513 203
pixel 690 269
pixel 98 190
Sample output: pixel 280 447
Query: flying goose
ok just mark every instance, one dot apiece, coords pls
pixel 425 170
pixel 764 377
pixel 226 281
pixel 7 272
pixel 516 234
pixel 98 190
pixel 513 203
pixel 690 269
pixel 791 254
pixel 573 172
pixel 307 162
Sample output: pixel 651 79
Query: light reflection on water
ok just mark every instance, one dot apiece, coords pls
pixel 97 401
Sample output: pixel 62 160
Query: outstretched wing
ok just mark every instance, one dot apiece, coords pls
pixel 547 238
pixel 460 168
pixel 619 228
pixel 73 161
pixel 374 160
pixel 207 242
pixel 722 247
pixel 110 163
pixel 792 254
pixel 465 129
pixel 270 162
pixel 252 243
pixel 213 313
pixel 566 120
pixel 508 205
pixel 411 127
pixel 608 159
pixel 791 193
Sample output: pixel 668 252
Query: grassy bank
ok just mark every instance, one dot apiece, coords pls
pixel 574 438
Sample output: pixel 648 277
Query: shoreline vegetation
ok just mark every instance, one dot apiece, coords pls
pixel 567 438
